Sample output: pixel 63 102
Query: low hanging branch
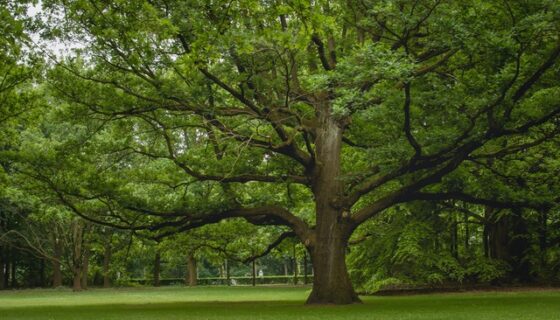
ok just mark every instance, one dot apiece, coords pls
pixel 272 246
pixel 500 204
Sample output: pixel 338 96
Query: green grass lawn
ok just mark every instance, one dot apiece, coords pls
pixel 268 303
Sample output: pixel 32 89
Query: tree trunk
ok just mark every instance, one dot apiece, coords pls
pixel 331 284
pixel 106 265
pixel 518 247
pixel 6 278
pixel 13 269
pixel 85 269
pixel 485 240
pixel 77 258
pixel 543 236
pixel 191 270
pixel 42 273
pixel 467 233
pixel 305 268
pixel 228 281
pixel 77 279
pixel 454 236
pixel 295 265
pixel 254 273
pixel 157 267
pixel 57 273
pixel 498 239
pixel 2 267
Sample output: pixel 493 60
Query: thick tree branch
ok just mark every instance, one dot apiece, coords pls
pixel 404 193
pixel 500 204
pixel 322 52
pixel 537 74
pixel 276 243
pixel 266 215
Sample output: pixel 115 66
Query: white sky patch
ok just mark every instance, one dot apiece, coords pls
pixel 53 48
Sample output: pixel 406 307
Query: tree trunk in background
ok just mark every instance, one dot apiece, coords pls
pixel 77 256
pixel 228 281
pixel 518 247
pixel 254 272
pixel 106 264
pixel 453 236
pixel 77 278
pixel 2 266
pixel 543 236
pixel 42 273
pixel 13 269
pixel 485 240
pixel 285 268
pixel 498 238
pixel 157 269
pixel 6 279
pixel 191 270
pixel 85 268
pixel 509 241
pixel 305 280
pixel 57 273
pixel 295 265
pixel 467 233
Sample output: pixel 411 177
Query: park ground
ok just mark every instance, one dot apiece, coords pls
pixel 269 303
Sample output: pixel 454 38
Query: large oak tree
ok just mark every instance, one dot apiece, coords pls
pixel 310 115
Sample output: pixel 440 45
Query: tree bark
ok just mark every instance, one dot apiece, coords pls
pixel 191 270
pixel 331 284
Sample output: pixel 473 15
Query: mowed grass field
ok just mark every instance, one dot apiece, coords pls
pixel 269 303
